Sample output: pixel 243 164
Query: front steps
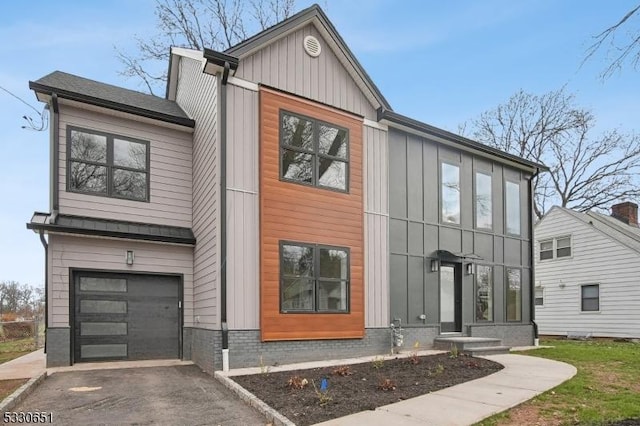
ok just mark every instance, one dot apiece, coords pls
pixel 474 346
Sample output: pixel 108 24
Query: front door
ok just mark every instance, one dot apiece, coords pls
pixel 450 299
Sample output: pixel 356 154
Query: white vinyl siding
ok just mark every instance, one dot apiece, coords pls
pixel 596 258
pixel 102 254
pixel 170 178
pixel 197 94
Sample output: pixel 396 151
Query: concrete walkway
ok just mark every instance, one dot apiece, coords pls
pixel 25 367
pixel 522 378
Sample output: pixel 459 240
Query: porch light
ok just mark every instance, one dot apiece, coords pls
pixel 469 268
pixel 434 265
pixel 130 257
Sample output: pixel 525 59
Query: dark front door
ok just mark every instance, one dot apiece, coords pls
pixel 450 298
pixel 126 317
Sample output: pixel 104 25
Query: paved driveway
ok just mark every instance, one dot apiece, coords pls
pixel 181 395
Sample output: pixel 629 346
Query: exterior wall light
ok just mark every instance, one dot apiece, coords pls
pixel 434 265
pixel 469 268
pixel 130 257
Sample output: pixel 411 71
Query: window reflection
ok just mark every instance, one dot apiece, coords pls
pixel 450 193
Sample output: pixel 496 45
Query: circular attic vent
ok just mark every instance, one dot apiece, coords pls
pixel 312 46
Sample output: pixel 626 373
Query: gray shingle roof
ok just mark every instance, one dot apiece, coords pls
pixel 111 228
pixel 615 229
pixel 93 92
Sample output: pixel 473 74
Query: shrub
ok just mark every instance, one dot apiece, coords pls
pixel 297 382
pixel 343 370
pixel 387 385
pixel 18 330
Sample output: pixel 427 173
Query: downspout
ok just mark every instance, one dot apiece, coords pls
pixel 532 282
pixel 223 218
pixel 55 124
pixel 46 287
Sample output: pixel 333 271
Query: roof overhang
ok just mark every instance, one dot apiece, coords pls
pixel 77 225
pixel 446 254
pixel 44 92
pixel 401 122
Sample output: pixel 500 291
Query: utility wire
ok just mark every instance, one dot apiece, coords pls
pixel 21 100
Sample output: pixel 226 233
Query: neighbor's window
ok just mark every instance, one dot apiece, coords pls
pixel 450 193
pixel 313 152
pixel 314 278
pixel 563 247
pixel 514 294
pixel 512 205
pixel 484 293
pixel 590 297
pixel 539 296
pixel 546 250
pixel 109 165
pixel 555 248
pixel 484 212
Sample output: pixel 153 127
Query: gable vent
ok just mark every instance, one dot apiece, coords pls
pixel 312 46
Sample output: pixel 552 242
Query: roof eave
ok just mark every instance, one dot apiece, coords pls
pixel 66 94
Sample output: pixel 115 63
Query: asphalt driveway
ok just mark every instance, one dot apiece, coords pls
pixel 156 395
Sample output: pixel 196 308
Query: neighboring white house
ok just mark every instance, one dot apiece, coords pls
pixel 588 273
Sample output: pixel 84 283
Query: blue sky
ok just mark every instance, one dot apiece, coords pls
pixel 439 62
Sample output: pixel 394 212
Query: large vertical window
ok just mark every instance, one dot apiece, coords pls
pixel 313 152
pixel 514 294
pixel 484 211
pixel 314 278
pixel 590 295
pixel 450 193
pixel 512 207
pixel 109 165
pixel 484 293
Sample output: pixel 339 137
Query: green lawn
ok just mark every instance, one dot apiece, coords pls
pixel 11 349
pixel 605 389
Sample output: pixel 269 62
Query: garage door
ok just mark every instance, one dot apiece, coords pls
pixel 126 317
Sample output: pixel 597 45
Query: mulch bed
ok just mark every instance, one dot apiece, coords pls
pixel 7 387
pixel 359 387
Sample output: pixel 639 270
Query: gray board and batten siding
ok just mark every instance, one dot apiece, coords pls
pixel 416 231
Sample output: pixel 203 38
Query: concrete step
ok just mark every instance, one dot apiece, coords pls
pixel 487 350
pixel 463 343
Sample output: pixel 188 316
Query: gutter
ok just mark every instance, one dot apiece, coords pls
pixel 532 279
pixel 46 287
pixel 55 167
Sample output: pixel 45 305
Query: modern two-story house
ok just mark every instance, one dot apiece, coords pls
pixel 588 273
pixel 273 208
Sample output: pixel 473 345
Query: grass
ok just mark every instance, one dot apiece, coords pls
pixel 11 349
pixel 605 389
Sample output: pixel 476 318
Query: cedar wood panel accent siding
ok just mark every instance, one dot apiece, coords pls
pixel 243 290
pixel 294 212
pixel 67 252
pixel 170 172
pixel 376 225
pixel 596 258
pixel 197 94
pixel 285 65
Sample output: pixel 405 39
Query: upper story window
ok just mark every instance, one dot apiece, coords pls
pixel 314 278
pixel 555 248
pixel 450 193
pixel 313 152
pixel 109 165
pixel 512 207
pixel 484 211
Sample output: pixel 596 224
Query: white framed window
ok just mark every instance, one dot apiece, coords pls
pixel 555 248
pixel 539 296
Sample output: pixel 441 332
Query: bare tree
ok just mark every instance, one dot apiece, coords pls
pixel 196 24
pixel 621 47
pixel 586 171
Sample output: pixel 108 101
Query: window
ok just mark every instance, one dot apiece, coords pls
pixel 539 296
pixel 590 297
pixel 450 193
pixel 313 152
pixel 560 247
pixel 484 212
pixel 514 294
pixel 314 278
pixel 109 165
pixel 484 293
pixel 512 205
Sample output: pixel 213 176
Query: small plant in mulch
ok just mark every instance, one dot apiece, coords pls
pixel 453 353
pixel 436 371
pixel 387 385
pixel 377 363
pixel 413 359
pixel 297 382
pixel 472 364
pixel 264 369
pixel 343 370
pixel 323 394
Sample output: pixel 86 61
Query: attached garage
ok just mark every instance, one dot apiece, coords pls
pixel 126 316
